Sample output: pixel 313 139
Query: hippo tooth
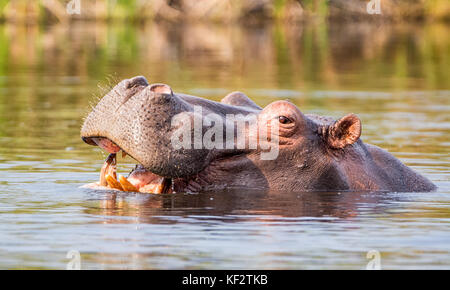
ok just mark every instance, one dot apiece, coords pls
pixel 113 183
pixel 126 185
pixel 108 168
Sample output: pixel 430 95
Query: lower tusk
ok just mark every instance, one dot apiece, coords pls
pixel 108 168
pixel 112 182
pixel 126 185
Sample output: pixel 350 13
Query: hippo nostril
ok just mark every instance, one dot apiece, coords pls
pixel 130 88
pixel 136 82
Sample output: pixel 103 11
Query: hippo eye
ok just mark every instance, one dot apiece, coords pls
pixel 284 120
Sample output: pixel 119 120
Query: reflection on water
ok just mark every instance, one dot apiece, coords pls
pixel 327 205
pixel 395 78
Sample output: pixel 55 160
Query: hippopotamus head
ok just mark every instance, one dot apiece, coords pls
pixel 188 144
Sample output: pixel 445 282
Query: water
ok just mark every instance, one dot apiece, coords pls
pixel 395 78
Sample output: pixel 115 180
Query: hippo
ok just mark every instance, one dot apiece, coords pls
pixel 311 152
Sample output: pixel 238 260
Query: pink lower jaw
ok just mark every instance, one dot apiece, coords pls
pixel 106 145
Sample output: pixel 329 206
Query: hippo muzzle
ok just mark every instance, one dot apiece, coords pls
pixel 137 119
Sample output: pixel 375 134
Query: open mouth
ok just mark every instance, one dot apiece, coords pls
pixel 139 179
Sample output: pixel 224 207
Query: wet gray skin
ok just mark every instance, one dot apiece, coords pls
pixel 315 153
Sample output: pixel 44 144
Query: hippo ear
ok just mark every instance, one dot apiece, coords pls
pixel 239 99
pixel 344 131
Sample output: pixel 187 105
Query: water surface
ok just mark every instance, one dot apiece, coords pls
pixel 395 78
